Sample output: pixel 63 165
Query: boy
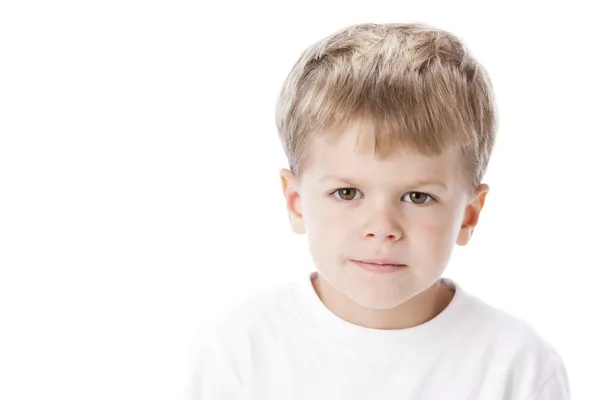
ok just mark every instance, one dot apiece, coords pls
pixel 388 130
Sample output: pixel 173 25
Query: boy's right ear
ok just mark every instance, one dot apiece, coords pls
pixel 291 192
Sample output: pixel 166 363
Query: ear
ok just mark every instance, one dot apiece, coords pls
pixel 471 215
pixel 290 186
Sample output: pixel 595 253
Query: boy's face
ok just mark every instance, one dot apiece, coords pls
pixel 357 209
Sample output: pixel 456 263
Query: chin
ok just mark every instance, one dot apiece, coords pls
pixel 379 303
pixel 379 298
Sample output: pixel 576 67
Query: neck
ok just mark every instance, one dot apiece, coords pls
pixel 413 312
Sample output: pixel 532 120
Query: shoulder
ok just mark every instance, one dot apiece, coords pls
pixel 239 326
pixel 513 347
pixel 259 312
pixel 509 331
pixel 221 351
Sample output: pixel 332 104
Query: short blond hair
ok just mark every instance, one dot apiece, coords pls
pixel 417 86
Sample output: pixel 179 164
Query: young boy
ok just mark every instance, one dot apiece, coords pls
pixel 388 130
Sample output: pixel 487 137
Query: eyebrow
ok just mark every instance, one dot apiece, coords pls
pixel 337 178
pixel 415 184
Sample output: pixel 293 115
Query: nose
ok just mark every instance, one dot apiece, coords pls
pixel 383 226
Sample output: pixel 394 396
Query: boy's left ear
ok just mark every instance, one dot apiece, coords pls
pixel 471 215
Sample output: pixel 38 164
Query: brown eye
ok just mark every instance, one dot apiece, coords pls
pixel 346 194
pixel 418 197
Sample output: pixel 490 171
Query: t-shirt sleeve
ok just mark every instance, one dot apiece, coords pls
pixel 210 375
pixel 555 387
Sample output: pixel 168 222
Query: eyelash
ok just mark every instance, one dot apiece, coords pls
pixel 432 197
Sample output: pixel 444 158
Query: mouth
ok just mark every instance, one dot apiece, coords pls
pixel 382 265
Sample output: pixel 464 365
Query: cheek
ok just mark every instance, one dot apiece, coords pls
pixel 323 216
pixel 439 230
pixel 326 226
pixel 434 244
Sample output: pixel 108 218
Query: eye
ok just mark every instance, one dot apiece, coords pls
pixel 346 194
pixel 418 197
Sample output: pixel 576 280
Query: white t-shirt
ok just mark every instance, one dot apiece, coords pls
pixel 286 345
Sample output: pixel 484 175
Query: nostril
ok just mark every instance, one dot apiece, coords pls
pixel 389 236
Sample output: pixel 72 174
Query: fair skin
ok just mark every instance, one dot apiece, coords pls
pixel 356 207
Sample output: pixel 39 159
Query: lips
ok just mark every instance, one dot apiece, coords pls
pixel 380 265
pixel 383 262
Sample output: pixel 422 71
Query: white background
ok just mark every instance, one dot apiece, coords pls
pixel 139 191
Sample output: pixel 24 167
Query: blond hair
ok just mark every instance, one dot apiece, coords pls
pixel 417 86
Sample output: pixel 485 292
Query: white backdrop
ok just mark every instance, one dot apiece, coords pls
pixel 139 191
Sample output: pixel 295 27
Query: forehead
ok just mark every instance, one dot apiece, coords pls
pixel 354 151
